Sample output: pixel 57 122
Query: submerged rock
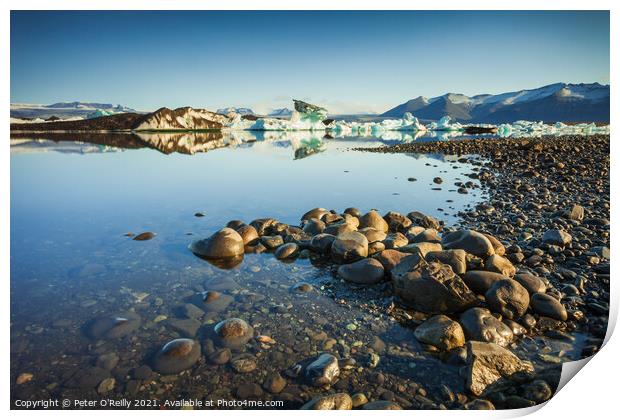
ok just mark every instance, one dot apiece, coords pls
pixel 176 356
pixel 366 271
pixel 233 333
pixel 323 370
pixel 144 236
pixel 226 243
pixel 113 326
pixel 489 363
pixel 212 301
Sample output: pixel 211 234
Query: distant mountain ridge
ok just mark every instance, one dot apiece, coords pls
pixel 64 109
pixel 557 102
pixel 242 111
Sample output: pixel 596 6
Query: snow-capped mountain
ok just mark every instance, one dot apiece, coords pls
pixel 242 111
pixel 281 112
pixel 556 102
pixel 65 110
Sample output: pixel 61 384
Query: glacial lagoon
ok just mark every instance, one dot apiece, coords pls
pixel 73 203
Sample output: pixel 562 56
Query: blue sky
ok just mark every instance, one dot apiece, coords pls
pixel 347 61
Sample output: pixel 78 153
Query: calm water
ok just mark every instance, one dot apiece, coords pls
pixel 72 203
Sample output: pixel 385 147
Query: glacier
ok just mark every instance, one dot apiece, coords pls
pixel 312 118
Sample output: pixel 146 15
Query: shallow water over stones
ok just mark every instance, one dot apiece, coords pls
pixel 85 269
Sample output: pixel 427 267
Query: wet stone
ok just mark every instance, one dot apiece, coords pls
pixel 243 363
pixel 470 241
pixel 532 283
pixel 480 325
pixel 340 401
pixel 176 356
pixel 481 281
pixel 287 251
pixel 226 243
pixel 546 305
pixel 274 383
pixel 509 298
pixel 144 236
pixel 111 327
pixel 441 332
pixel 233 333
pixel 349 247
pixel 323 370
pixel 366 271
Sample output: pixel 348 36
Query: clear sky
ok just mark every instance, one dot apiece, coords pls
pixel 347 61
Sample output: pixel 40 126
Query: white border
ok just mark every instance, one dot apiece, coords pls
pixel 593 395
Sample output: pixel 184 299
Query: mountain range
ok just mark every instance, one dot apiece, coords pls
pixel 584 102
pixel 64 109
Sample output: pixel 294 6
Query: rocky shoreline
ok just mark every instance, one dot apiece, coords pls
pixel 410 313
pixel 532 260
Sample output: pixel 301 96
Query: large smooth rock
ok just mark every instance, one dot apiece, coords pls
pixel 389 258
pixel 340 228
pixel 340 401
pixel 421 219
pixel 480 325
pixel 396 221
pixel 287 251
pixel 233 333
pixel 455 258
pixel 488 363
pixel 421 248
pixel 372 234
pixel 470 241
pixel 271 242
pixel 480 281
pixel 557 237
pixel 426 235
pixel 374 220
pixel 322 243
pixel 366 271
pixel 381 405
pixel 441 332
pixel 176 356
pixel 225 243
pixel 263 226
pixel 498 247
pixel 314 226
pixel 546 305
pixel 395 240
pixel 248 234
pixel 406 265
pixel 499 264
pixel 434 288
pixel 323 370
pixel 509 298
pixel 315 213
pixel 532 283
pixel 350 247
